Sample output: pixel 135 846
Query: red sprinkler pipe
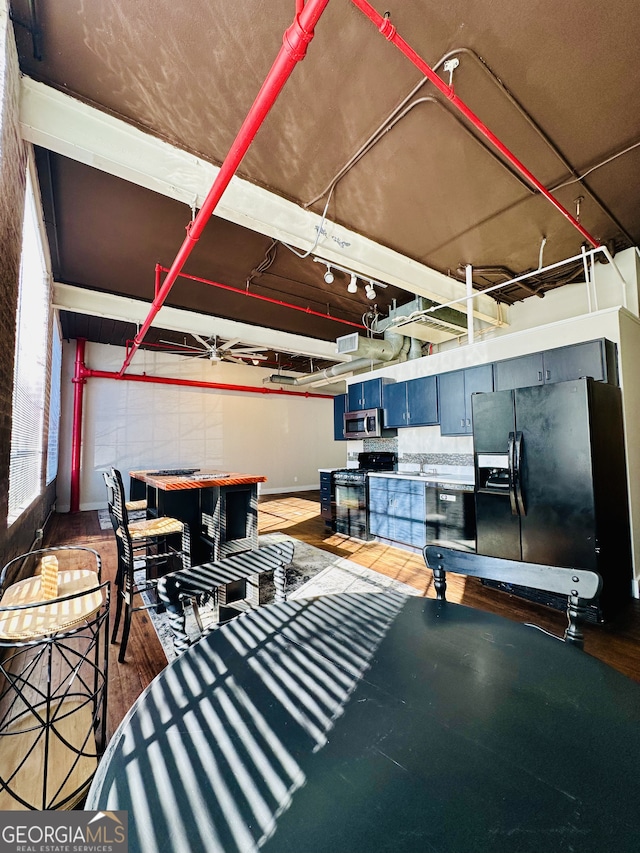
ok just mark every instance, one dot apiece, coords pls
pixel 196 383
pixel 293 50
pixel 79 381
pixel 263 298
pixel 387 29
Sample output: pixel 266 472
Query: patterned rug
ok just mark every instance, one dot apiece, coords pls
pixel 312 572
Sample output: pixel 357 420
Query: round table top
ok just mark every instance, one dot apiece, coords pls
pixel 36 616
pixel 375 722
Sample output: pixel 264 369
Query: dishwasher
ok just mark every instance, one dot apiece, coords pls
pixel 451 516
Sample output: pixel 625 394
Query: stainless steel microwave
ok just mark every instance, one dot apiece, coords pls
pixel 366 423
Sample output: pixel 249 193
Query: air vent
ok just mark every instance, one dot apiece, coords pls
pixel 348 343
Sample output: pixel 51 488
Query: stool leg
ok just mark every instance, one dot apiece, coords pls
pixel 280 582
pixel 116 621
pixel 125 632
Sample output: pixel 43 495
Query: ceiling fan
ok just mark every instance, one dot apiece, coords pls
pixel 215 349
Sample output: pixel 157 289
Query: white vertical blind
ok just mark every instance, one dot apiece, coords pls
pixel 30 368
pixel 54 405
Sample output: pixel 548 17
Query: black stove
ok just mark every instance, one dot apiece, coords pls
pixel 350 492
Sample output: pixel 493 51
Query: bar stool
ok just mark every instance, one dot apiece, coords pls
pixel 53 678
pixel 142 545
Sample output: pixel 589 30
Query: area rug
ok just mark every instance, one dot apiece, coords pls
pixel 312 572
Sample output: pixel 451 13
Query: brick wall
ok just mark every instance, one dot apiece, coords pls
pixel 13 160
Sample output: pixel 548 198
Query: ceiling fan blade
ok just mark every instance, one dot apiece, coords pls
pixel 228 357
pixel 229 344
pixel 238 350
pixel 202 341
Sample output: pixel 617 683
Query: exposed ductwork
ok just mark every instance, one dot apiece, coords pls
pixel 394 347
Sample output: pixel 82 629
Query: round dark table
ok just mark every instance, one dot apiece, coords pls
pixel 378 722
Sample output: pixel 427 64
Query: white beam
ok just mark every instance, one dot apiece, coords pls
pixel 60 123
pixel 66 297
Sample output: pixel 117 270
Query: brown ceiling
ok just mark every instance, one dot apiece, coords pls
pixel 554 81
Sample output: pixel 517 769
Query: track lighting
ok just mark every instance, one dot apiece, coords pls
pixel 352 287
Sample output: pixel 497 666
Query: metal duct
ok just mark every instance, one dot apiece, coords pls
pixel 393 347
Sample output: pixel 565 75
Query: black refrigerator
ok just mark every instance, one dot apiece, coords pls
pixel 551 483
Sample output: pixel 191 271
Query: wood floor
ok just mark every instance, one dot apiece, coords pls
pixel 298 515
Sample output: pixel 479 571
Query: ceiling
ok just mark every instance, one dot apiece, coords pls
pixel 409 185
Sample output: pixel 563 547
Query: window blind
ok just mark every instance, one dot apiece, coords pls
pixel 30 367
pixel 54 405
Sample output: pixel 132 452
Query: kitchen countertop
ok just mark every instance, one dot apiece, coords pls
pixel 438 477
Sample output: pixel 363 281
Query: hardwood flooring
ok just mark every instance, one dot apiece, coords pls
pixel 297 514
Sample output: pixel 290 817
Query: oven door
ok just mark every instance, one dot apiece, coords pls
pixel 351 508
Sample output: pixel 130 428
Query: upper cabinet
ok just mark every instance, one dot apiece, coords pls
pixel 411 403
pixel 339 408
pixel 454 393
pixel 367 395
pixel 592 358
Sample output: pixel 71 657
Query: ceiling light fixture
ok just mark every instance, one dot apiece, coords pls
pixel 352 287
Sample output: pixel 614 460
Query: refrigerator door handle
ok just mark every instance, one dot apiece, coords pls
pixel 517 473
pixel 512 473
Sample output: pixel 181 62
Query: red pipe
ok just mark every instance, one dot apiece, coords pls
pixel 263 298
pixel 87 373
pixel 79 380
pixel 294 47
pixel 387 29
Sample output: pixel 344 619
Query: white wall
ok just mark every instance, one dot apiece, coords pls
pixel 135 425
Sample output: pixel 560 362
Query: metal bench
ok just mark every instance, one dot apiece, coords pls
pixel 186 588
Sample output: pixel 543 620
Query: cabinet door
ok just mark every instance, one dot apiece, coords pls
pixel 451 395
pixel 378 507
pixel 394 399
pixel 422 401
pixel 519 372
pixel 355 400
pixel 372 394
pixel 407 512
pixel 339 408
pixel 476 380
pixel 573 362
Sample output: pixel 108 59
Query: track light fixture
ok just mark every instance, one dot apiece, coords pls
pixel 352 287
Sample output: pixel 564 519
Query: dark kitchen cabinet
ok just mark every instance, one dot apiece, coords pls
pixel 397 510
pixel 596 359
pixel 339 408
pixel 411 403
pixel 367 395
pixel 326 497
pixel 454 395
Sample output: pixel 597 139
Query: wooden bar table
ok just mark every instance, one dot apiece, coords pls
pixel 220 507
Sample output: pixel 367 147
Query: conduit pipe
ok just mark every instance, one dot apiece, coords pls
pixel 293 50
pixel 388 30
pixel 237 290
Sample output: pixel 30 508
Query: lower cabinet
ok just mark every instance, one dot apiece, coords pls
pixel 397 510
pixel 326 497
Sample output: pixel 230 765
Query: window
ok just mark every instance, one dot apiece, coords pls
pixel 30 367
pixel 54 405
